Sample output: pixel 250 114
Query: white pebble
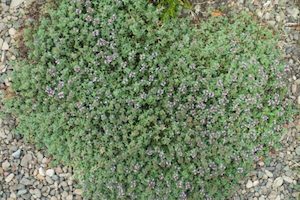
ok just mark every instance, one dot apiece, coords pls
pixel 288 179
pixel 249 184
pixel 42 171
pixel 5 46
pixel 50 172
pixel 255 183
pixel 278 182
pixel 9 178
pixel 12 32
pixel 268 173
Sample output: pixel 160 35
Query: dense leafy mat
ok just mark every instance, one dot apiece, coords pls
pixel 149 110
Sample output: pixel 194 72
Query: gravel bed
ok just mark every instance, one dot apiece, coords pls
pixel 25 172
pixel 279 179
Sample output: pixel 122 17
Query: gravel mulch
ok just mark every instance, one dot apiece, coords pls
pixel 25 172
pixel 279 179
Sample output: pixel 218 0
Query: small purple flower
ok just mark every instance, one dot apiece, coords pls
pixel 265 118
pixel 240 170
pixel 77 69
pixel 79 105
pixel 95 33
pixel 88 18
pixel 112 19
pixel 108 59
pixel 151 184
pixel 60 85
pixel 160 92
pixel 188 185
pixel 193 66
pixel 52 71
pixel 102 42
pixel 132 74
pixel 90 10
pixel 143 95
pixel 136 168
pixel 183 196
pixel 61 95
pixel 96 21
pixel 49 91
pixel 78 11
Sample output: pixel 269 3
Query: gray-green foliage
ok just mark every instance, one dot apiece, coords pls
pixel 149 110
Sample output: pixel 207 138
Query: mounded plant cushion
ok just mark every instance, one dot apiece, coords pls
pixel 148 110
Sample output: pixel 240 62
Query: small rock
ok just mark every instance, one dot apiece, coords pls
pixel 267 16
pixel 293 12
pixel 78 192
pixel 25 181
pixel 268 173
pixel 294 89
pixel 40 177
pixel 278 18
pixel 53 198
pixel 9 178
pixel 39 157
pixel 50 172
pixel 13 195
pixel 298 100
pixel 271 22
pixel 272 195
pixel 25 160
pixel 2 27
pixel 37 193
pixel 16 3
pixel 261 163
pixel 255 183
pixel 298 148
pixel 49 180
pixel 69 197
pixel 64 194
pixel 259 13
pixel 12 32
pixel 5 165
pixel 45 160
pixel 5 46
pixel 249 184
pixel 264 190
pixel 42 171
pixel 1 42
pixel 278 182
pixel 287 179
pixel 21 192
pixel 17 154
pixel 261 198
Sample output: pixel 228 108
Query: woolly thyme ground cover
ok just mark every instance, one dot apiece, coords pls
pixel 148 110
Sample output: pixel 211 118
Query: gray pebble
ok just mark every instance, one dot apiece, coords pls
pixel 298 150
pixel 26 181
pixel 5 165
pixel 27 158
pixel 21 192
pixel 36 193
pixel 17 154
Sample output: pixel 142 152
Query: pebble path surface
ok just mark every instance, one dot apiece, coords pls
pixel 279 179
pixel 25 172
